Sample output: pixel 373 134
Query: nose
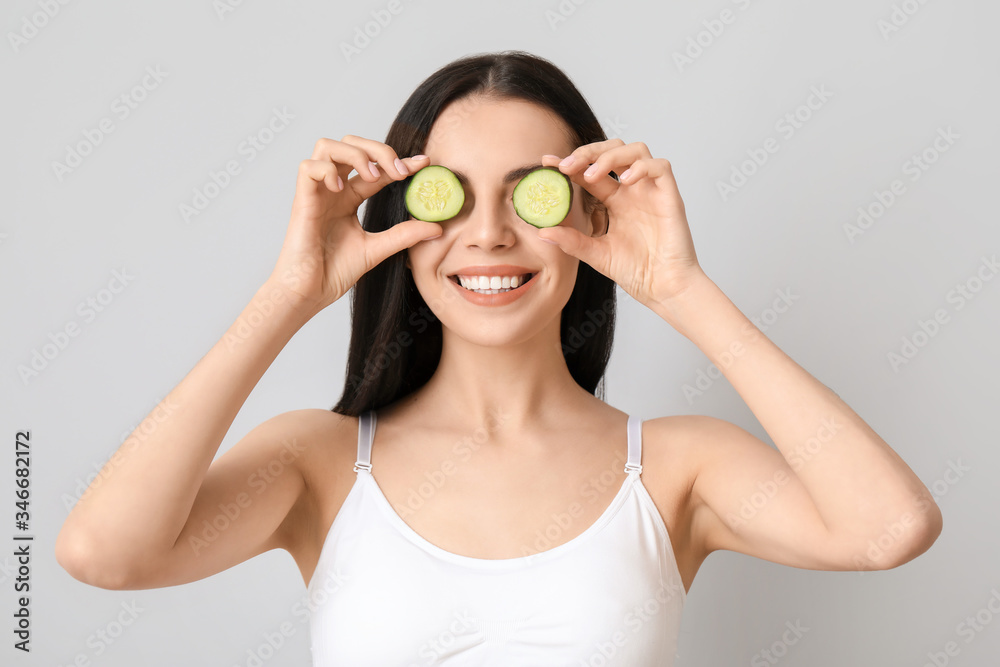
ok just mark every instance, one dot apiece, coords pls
pixel 488 226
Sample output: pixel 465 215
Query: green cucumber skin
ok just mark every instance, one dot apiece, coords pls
pixel 418 212
pixel 532 220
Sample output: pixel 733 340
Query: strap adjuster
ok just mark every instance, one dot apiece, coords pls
pixel 358 465
pixel 633 467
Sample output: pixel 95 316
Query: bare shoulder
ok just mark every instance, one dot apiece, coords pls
pixel 678 445
pixel 689 440
pixel 321 445
pixel 675 450
pixel 313 422
pixel 320 438
pixel 745 497
pixel 302 437
pixel 694 444
pixel 677 438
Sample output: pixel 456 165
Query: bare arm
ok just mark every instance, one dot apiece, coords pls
pixel 838 485
pixel 834 486
pixel 147 519
pixel 136 508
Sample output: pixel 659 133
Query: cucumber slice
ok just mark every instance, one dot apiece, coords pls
pixel 434 194
pixel 543 197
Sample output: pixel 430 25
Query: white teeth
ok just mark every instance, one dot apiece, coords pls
pixel 491 283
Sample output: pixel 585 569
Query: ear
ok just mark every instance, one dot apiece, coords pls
pixel 599 220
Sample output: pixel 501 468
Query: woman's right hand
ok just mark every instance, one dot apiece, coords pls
pixel 326 250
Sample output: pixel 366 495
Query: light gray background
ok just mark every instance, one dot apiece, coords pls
pixel 60 241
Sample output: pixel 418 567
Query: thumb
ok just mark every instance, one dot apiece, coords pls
pixel 400 236
pixel 576 244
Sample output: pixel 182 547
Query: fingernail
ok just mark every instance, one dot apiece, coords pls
pixel 400 166
pixel 568 161
pixel 428 238
pixel 374 169
pixel 590 171
pixel 340 182
pixel 552 156
pixel 548 240
pixel 625 175
pixel 418 157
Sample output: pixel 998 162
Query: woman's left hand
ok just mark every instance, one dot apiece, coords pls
pixel 647 249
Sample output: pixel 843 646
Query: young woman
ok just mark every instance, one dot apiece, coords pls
pixel 471 499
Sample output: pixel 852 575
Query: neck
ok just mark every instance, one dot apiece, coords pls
pixel 501 387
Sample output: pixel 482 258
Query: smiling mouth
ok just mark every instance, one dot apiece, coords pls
pixel 528 278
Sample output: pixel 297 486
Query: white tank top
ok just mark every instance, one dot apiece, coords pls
pixel 384 596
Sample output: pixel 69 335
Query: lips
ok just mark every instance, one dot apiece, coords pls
pixel 501 298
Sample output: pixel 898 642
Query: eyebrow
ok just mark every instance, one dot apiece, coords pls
pixel 511 176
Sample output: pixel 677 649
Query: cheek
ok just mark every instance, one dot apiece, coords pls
pixel 418 256
pixel 424 261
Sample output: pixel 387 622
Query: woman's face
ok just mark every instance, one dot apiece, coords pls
pixel 483 140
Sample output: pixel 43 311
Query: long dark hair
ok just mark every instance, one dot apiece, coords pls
pixel 395 338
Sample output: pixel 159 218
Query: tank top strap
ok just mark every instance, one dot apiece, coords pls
pixel 366 432
pixel 634 429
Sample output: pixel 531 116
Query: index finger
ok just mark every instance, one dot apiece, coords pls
pixel 364 189
pixel 602 188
